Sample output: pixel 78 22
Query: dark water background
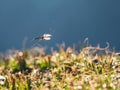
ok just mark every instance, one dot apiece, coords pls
pixel 70 21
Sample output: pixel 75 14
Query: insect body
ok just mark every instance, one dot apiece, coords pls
pixel 44 37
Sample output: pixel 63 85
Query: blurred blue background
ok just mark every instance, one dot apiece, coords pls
pixel 70 21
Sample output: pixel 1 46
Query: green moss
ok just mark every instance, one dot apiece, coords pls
pixel 62 70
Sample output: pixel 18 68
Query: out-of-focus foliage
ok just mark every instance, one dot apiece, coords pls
pixel 93 68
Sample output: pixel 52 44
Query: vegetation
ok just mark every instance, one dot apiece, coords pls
pixel 92 68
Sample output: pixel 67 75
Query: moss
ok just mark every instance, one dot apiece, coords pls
pixel 61 70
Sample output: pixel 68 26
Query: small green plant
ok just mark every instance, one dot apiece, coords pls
pixel 67 69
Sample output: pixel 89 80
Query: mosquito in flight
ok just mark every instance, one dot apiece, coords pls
pixel 43 37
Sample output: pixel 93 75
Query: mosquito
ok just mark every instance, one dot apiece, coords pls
pixel 43 37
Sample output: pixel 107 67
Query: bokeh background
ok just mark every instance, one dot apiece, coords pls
pixel 70 21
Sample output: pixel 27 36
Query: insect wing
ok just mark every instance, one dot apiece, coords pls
pixel 47 38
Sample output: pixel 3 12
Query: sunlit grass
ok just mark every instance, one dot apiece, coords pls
pixel 92 68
